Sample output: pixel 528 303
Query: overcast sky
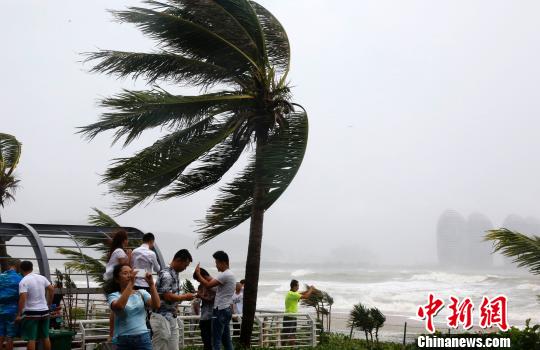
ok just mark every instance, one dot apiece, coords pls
pixel 415 107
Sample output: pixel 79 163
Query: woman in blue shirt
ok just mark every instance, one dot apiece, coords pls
pixel 128 305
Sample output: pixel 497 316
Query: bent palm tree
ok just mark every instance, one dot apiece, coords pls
pixel 10 154
pixel 238 54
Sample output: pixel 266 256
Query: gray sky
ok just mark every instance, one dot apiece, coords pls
pixel 415 107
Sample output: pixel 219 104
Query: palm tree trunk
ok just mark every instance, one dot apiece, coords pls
pixel 253 260
pixel 352 328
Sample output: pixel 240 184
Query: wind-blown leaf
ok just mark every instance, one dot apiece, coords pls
pixel 101 219
pixel 164 66
pixel 188 38
pixel 275 38
pixel 279 160
pixel 137 111
pixel 157 166
pixel 524 249
pixel 10 153
pixel 213 166
pixel 83 263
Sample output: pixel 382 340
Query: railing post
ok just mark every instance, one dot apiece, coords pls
pixel 313 331
pixel 180 324
pixel 404 335
pixel 83 335
pixel 260 323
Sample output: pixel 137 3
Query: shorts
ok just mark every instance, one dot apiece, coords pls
pixel 289 324
pixel 8 327
pixel 34 328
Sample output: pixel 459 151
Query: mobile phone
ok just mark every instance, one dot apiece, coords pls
pixel 140 273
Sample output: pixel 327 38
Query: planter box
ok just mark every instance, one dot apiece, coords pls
pixel 61 339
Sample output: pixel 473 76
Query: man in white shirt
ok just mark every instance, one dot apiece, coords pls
pixel 145 258
pixel 225 284
pixel 35 297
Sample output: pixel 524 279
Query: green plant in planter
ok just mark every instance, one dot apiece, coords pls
pixel 61 338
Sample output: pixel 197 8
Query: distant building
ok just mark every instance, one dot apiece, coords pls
pixel 451 238
pixel 479 251
pixel 460 242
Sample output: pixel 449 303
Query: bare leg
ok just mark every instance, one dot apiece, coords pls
pixel 31 345
pixel 46 344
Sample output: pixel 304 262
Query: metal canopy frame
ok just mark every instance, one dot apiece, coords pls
pixel 37 233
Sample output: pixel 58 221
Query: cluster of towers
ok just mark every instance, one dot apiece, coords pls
pixel 460 240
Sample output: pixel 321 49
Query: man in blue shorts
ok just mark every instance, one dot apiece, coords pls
pixel 9 300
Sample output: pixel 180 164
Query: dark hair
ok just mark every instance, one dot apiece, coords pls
pixel 204 273
pixel 220 255
pixel 183 254
pixel 243 281
pixel 118 239
pixel 26 266
pixel 12 262
pixel 294 283
pixel 148 237
pixel 112 285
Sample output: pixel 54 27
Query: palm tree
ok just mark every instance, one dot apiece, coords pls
pixel 10 154
pixel 237 53
pixel 378 321
pixel 360 317
pixel 80 262
pixel 524 249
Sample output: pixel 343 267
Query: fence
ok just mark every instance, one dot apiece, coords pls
pixel 269 331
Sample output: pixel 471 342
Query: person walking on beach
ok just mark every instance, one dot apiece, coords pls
pixel 164 325
pixel 9 303
pixel 128 305
pixel 225 283
pixel 35 297
pixel 144 258
pixel 206 297
pixel 291 307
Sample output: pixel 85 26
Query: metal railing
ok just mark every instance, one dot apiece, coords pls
pixel 269 330
pixel 93 331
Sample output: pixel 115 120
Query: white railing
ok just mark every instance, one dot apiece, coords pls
pixel 269 330
pixel 93 331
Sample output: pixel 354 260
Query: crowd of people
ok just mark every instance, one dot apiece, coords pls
pixel 143 311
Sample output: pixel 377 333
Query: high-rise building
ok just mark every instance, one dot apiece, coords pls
pixel 479 251
pixel 451 238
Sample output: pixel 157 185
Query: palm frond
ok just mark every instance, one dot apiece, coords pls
pixel 83 263
pixel 178 32
pixel 136 111
pixel 211 169
pixel 156 167
pixel 10 154
pixel 279 161
pixel 276 42
pixel 165 66
pixel 215 18
pixel 524 249
pixel 101 219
